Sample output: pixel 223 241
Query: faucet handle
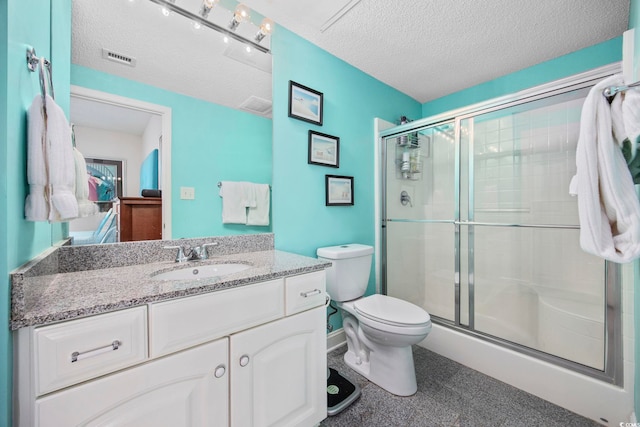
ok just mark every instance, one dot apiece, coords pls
pixel 180 257
pixel 203 250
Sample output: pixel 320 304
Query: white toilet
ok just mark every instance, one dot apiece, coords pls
pixel 380 329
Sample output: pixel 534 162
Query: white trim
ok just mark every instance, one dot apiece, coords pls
pixel 378 126
pixel 165 114
pixel 543 89
pixel 336 339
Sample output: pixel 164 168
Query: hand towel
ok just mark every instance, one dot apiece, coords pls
pixel 85 206
pixel 259 214
pixel 61 164
pixel 608 207
pixel 36 206
pixel 234 202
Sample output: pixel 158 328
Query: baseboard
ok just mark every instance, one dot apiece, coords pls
pixel 336 339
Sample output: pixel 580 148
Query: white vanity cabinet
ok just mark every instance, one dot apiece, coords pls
pixel 248 356
pixel 181 390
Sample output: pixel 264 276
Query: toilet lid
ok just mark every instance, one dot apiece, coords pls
pixel 390 310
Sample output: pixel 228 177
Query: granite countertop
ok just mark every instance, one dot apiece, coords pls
pixel 49 298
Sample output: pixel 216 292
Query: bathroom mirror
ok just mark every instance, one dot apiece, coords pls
pixel 165 52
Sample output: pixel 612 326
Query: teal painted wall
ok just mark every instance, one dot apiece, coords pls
pixel 5 299
pixel 209 143
pixel 22 23
pixel 557 68
pixel 352 99
pixel 634 22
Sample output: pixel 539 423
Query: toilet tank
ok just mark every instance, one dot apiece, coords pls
pixel 348 276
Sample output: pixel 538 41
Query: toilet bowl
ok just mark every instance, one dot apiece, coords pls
pixel 380 329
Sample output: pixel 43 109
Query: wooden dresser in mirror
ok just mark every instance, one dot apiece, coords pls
pixel 139 218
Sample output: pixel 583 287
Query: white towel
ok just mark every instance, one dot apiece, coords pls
pixel 50 164
pixel 36 207
pixel 608 207
pixel 259 214
pixel 85 206
pixel 61 162
pixel 235 200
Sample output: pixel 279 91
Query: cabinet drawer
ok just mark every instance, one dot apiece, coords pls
pixel 182 323
pixel 304 292
pixel 74 351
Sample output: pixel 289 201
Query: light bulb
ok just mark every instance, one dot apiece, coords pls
pixel 241 14
pixel 248 49
pixel 196 25
pixel 225 39
pixel 206 7
pixel 265 29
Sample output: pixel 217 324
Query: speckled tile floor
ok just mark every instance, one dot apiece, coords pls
pixel 449 394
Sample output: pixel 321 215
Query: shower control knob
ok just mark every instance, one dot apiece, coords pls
pixel 244 360
pixel 220 371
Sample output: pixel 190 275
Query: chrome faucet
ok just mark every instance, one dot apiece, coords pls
pixel 197 253
pixel 200 252
pixel 180 257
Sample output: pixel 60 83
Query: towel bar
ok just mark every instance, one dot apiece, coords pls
pixel 220 184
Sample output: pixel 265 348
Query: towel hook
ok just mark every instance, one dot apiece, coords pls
pixel 33 63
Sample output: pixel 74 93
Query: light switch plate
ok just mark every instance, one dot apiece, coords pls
pixel 187 193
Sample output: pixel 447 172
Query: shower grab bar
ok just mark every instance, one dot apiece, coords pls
pixel 494 224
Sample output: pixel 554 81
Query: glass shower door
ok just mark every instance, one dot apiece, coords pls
pixel 479 229
pixel 528 281
pixel 420 218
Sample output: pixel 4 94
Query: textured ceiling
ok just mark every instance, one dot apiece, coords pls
pixel 431 48
pixel 424 48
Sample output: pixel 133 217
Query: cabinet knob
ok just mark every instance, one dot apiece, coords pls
pixel 220 371
pixel 244 360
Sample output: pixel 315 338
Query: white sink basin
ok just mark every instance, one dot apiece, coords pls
pixel 201 271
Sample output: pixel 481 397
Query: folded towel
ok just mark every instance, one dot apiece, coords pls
pixel 259 214
pixel 85 206
pixel 234 202
pixel 608 207
pixel 36 206
pixel 61 164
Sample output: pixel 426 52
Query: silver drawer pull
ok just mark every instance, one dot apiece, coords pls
pixel 76 355
pixel 310 293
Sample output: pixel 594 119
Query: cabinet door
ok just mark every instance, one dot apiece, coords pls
pixel 186 389
pixel 279 372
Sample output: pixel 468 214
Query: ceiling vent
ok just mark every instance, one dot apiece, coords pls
pixel 118 57
pixel 257 105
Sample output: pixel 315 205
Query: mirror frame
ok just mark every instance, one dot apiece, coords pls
pixel 165 115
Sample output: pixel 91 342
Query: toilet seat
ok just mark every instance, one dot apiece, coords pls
pixel 391 311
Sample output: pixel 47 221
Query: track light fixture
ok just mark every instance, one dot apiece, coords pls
pixel 240 15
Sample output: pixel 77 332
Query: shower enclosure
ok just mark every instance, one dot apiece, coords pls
pixel 479 229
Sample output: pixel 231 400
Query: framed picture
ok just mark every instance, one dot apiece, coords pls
pixel 324 149
pixel 305 103
pixel 339 190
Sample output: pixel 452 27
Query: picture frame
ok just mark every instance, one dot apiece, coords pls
pixel 338 190
pixel 324 150
pixel 305 104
